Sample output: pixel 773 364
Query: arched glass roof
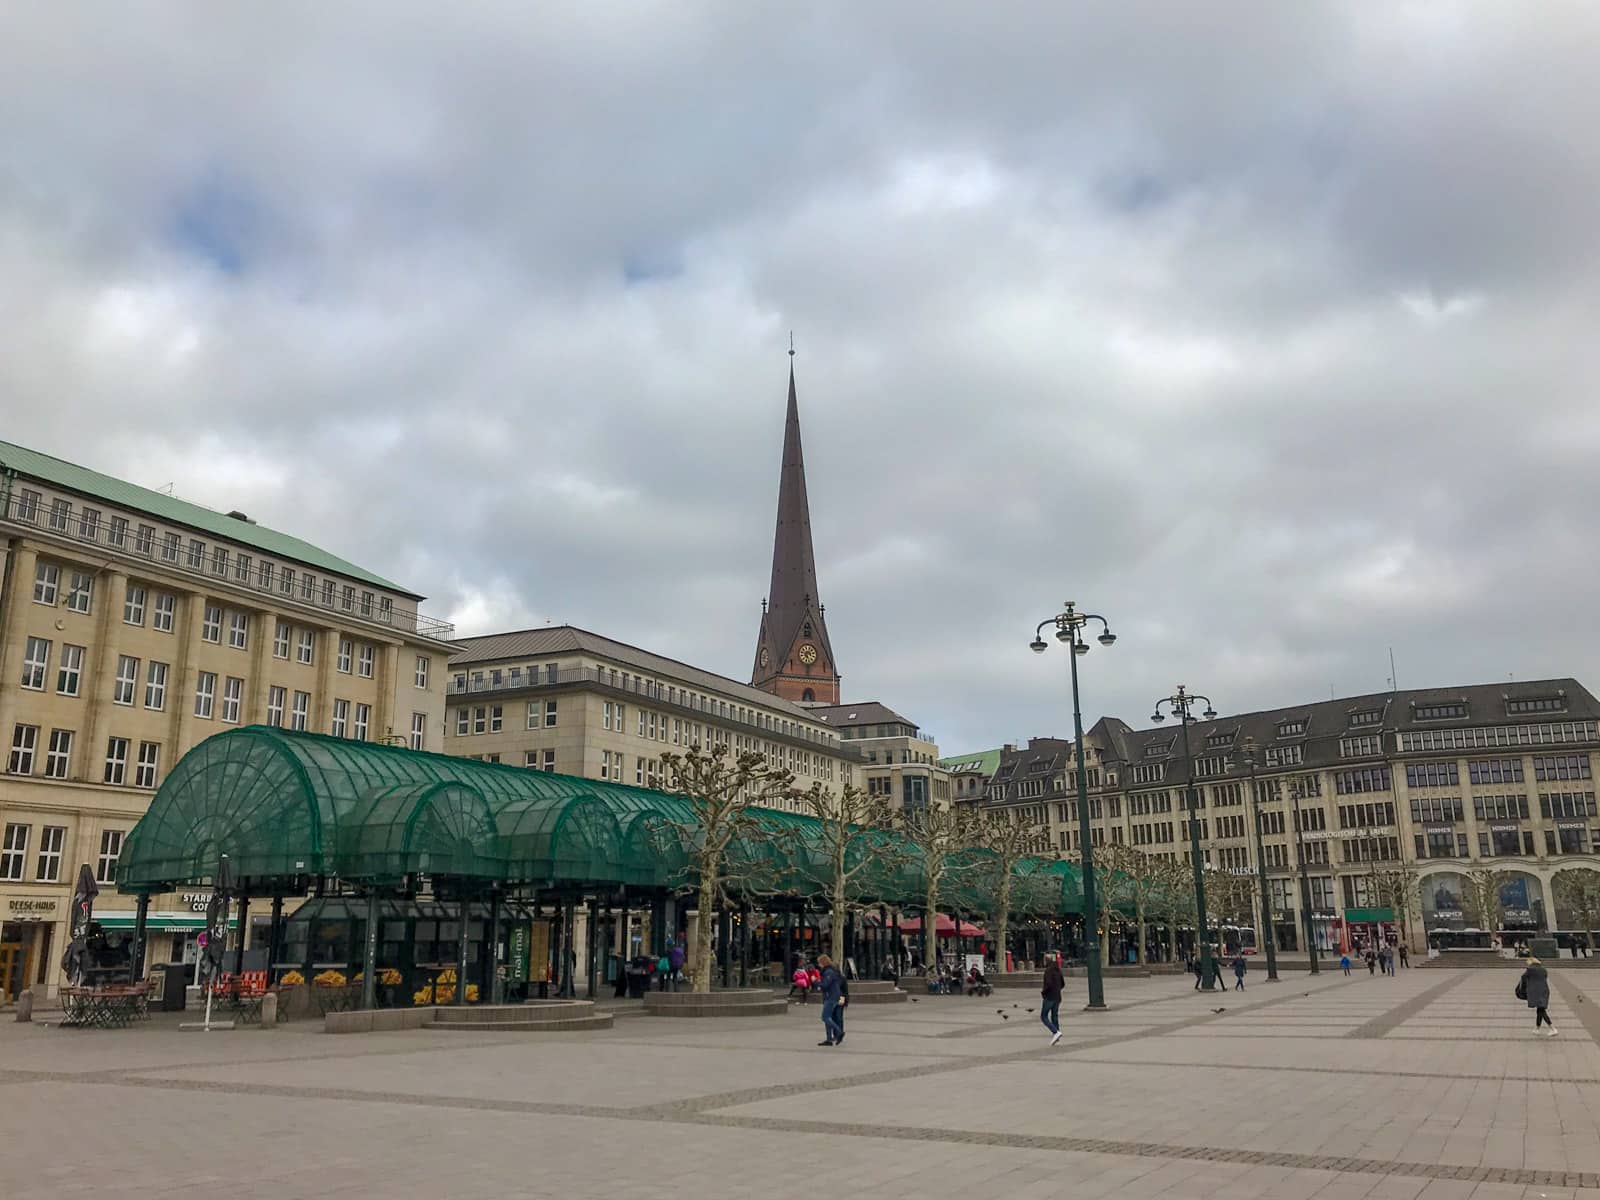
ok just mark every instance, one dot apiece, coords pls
pixel 285 806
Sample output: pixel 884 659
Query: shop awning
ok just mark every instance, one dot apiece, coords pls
pixel 160 922
pixel 1367 916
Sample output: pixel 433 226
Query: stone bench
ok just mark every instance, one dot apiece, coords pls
pixel 538 1016
pixel 875 991
pixel 735 1002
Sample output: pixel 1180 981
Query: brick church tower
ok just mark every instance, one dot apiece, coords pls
pixel 794 658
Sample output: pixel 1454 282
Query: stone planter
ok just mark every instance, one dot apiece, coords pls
pixel 747 1002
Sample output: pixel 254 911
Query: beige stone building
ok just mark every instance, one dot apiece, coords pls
pixel 566 700
pixel 1444 781
pixel 901 761
pixel 134 625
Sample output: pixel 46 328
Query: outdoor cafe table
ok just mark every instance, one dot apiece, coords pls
pixel 114 1006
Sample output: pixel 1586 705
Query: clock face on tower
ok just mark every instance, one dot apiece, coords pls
pixel 765 657
pixel 808 654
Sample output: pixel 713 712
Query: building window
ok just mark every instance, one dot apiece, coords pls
pixel 117 532
pixel 342 662
pixel 116 760
pixel 241 568
pixel 329 590
pixel 530 759
pixel 421 676
pixel 205 690
pixel 1364 746
pixel 1566 766
pixel 304 651
pixel 110 851
pixel 46 582
pixel 1373 779
pixel 232 695
pixel 238 630
pixel 52 838
pixel 496 718
pixel 386 610
pixel 308 586
pixel 1285 756
pixel 219 562
pixel 463 722
pixel 197 554
pixel 211 624
pixel 1545 704
pixel 364 660
pixel 149 763
pixel 28 506
pixel 286 581
pixel 1445 774
pixel 1495 770
pixel 133 605
pixel 419 731
pixel 549 760
pixel 24 743
pixel 81 592
pixel 144 540
pixel 275 701
pixel 1291 728
pixel 1440 712
pixel 349 599
pixel 35 664
pixel 171 547
pixel 127 680
pixel 549 714
pixel 58 760
pixel 60 514
pixel 363 720
pixel 1500 808
pixel 70 674
pixel 366 604
pixel 1566 804
pixel 1149 772
pixel 161 618
pixel 301 709
pixel 155 686
pixel 341 718
pixel 14 852
pixel 264 577
pixel 280 640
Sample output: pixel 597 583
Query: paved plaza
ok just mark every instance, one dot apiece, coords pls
pixel 1429 1085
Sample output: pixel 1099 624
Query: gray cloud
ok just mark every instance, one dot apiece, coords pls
pixel 1265 330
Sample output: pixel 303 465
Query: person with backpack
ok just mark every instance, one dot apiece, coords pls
pixel 1534 990
pixel 800 982
pixel 663 972
pixel 1050 998
pixel 1344 962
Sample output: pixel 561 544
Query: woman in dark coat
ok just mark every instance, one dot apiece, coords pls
pixel 1534 987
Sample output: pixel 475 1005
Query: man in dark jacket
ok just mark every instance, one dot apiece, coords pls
pixel 1050 1006
pixel 831 985
pixel 1534 988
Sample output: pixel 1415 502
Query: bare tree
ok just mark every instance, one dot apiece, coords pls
pixel 1482 898
pixel 938 835
pixel 1390 885
pixel 1105 898
pixel 853 842
pixel 1230 899
pixel 718 843
pixel 1006 840
pixel 1136 879
pixel 1577 889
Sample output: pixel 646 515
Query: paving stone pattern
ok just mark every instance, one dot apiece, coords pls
pixel 1424 1085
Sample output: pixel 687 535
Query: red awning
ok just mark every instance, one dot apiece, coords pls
pixel 943 927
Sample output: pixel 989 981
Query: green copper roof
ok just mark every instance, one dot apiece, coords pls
pixel 62 474
pixel 986 762
pixel 285 806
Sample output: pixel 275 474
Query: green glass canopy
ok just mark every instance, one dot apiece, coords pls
pixel 288 806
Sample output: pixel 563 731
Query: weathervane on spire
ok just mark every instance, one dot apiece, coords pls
pixel 791 343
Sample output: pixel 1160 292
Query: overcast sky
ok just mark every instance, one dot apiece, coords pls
pixel 1267 330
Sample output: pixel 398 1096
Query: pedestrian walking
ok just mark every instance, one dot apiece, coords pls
pixel 1050 999
pixel 1238 972
pixel 1405 957
pixel 1344 962
pixel 1194 965
pixel 1372 963
pixel 844 1002
pixel 1534 989
pixel 663 972
pixel 675 958
pixel 831 982
pixel 1216 973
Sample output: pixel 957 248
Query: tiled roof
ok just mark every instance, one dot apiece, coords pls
pixel 979 762
pixel 59 473
pixel 866 712
pixel 569 639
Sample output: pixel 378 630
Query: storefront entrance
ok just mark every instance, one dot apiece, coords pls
pixel 16 958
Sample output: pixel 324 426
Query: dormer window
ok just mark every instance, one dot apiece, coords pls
pixel 1288 729
pixel 1368 716
pixel 1220 741
pixel 1536 704
pixel 1455 711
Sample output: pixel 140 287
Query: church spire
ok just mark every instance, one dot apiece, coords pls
pixel 793 656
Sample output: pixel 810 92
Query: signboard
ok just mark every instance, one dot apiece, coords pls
pixel 32 908
pixel 539 952
pixel 1439 828
pixel 1572 824
pixel 196 901
pixel 1496 828
pixel 517 954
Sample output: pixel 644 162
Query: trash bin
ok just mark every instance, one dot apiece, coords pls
pixel 174 986
pixel 637 982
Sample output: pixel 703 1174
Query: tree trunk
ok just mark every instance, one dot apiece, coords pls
pixel 836 917
pixel 700 952
pixel 1002 928
pixel 930 931
pixel 1138 915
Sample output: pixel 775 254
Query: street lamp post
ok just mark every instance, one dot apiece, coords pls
pixel 1268 932
pixel 1182 703
pixel 1305 887
pixel 1069 632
